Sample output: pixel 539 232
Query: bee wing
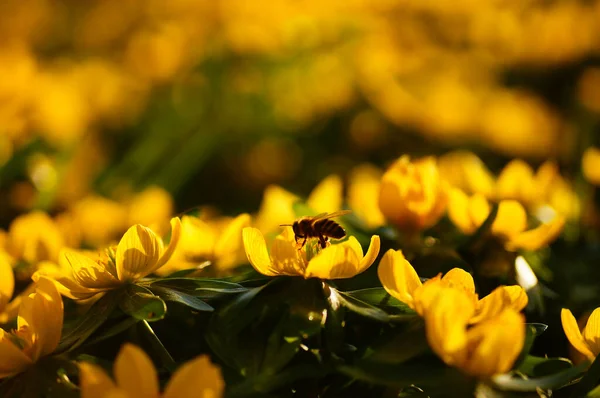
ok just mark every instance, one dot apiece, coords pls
pixel 324 216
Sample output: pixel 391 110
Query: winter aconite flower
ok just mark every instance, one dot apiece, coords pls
pixel 413 195
pixel 337 261
pixel 401 281
pixel 39 327
pixel 139 253
pixel 487 348
pixel 481 337
pixel 135 376
pixel 218 241
pixel 510 224
pixel 588 342
pixel 466 171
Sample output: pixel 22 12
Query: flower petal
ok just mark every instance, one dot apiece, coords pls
pixel 137 252
pixel 168 252
pixel 62 276
pixel 327 196
pixel 230 242
pixel 491 305
pixel 370 255
pixel 479 209
pixel 460 279
pixel 516 181
pixel 398 277
pixel 446 320
pixel 286 259
pixel 517 295
pixel 49 307
pixel 591 332
pixel 256 251
pixel 7 280
pixel 573 333
pixel 494 344
pixel 334 262
pixel 196 378
pixel 87 272
pixel 135 373
pixel 458 211
pixel 12 359
pixel 510 220
pixel 537 237
pixel 94 381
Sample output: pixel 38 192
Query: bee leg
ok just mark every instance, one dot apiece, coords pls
pixel 303 243
pixel 323 241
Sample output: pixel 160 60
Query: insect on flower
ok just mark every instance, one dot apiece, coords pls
pixel 320 226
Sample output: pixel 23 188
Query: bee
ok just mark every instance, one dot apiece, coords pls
pixel 320 226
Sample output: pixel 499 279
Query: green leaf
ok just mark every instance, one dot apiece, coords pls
pixel 509 383
pixel 181 298
pixel 113 330
pixel 377 296
pixel 336 298
pixel 589 381
pixel 532 330
pixel 533 366
pixel 140 303
pixel 199 287
pixel 398 347
pixel 76 332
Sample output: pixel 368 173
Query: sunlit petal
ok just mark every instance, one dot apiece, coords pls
pixel 137 252
pixel 256 251
pixel 327 195
pixel 461 279
pixel 398 277
pixel 135 373
pixel 230 242
pixel 494 344
pixel 12 359
pixel 334 262
pixel 286 259
pixel 168 252
pixel 479 209
pixel 510 220
pixel 94 381
pixel 370 255
pixel 196 378
pixel 591 332
pixel 48 316
pixel 7 280
pixel 87 272
pixel 573 333
pixel 458 211
pixel 537 237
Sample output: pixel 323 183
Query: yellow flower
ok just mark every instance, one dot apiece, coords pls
pixel 139 253
pixel 587 343
pixel 510 225
pixel 218 241
pixel 152 207
pixel 327 196
pixel 34 237
pixel 400 280
pixel 337 261
pixel 100 220
pixel 363 194
pixel 9 309
pixel 412 194
pixel 39 328
pixel 487 348
pixel 590 165
pixel 135 376
pixel 464 170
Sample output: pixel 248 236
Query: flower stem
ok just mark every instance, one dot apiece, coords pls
pixel 164 355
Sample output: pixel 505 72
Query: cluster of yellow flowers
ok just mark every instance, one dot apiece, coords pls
pixel 101 70
pixel 482 337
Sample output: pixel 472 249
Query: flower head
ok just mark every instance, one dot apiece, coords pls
pixel 466 171
pixel 39 327
pixel 337 261
pixel 401 281
pixel 139 253
pixel 412 194
pixel 482 337
pixel 218 241
pixel 510 225
pixel 135 376
pixel 363 194
pixel 588 342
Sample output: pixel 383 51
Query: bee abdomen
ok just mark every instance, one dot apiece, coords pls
pixel 331 228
